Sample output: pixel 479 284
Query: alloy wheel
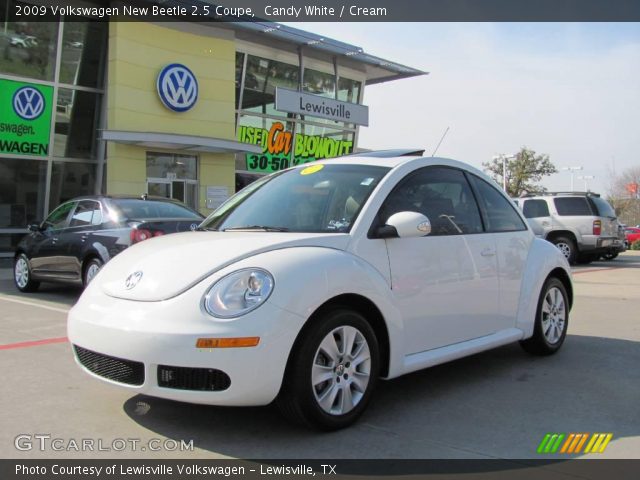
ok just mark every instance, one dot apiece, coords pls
pixel 341 370
pixel 554 314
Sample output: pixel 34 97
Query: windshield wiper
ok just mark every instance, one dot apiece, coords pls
pixel 264 228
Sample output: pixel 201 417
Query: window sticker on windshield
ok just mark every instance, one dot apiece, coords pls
pixel 366 182
pixel 311 169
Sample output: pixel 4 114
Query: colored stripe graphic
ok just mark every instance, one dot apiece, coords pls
pixel 598 442
pixel 553 443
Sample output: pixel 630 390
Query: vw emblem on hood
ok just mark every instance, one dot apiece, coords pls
pixel 132 280
pixel 177 87
pixel 28 103
pixel 193 226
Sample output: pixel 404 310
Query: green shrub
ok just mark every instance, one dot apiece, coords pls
pixel 635 245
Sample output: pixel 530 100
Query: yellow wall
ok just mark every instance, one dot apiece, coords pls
pixel 137 52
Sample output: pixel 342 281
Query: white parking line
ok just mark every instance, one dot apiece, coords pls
pixel 33 304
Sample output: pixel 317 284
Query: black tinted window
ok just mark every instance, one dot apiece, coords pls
pixel 500 214
pixel 572 206
pixel 143 209
pixel 535 208
pixel 443 195
pixel 604 209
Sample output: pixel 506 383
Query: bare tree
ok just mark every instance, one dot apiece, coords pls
pixel 523 172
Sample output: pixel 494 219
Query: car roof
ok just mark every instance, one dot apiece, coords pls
pixel 124 197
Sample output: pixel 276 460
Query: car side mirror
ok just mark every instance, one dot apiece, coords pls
pixel 34 227
pixel 405 225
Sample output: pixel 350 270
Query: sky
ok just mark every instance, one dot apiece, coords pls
pixel 569 90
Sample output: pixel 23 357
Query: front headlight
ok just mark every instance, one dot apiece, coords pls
pixel 238 293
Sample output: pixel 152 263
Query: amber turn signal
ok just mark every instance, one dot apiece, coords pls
pixel 227 342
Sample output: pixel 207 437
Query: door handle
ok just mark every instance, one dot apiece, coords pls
pixel 488 252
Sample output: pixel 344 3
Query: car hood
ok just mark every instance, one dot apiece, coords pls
pixel 171 264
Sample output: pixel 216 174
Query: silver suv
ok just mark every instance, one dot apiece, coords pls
pixel 582 225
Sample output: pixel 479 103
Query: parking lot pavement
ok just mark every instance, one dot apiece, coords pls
pixel 498 404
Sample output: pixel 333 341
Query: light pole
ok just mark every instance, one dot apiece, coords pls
pixel 585 178
pixel 571 170
pixel 504 159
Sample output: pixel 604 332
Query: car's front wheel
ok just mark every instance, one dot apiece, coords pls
pixel 22 275
pixel 552 320
pixel 332 371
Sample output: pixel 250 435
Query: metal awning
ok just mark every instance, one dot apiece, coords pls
pixel 172 141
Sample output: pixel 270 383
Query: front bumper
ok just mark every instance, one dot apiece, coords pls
pixel 157 334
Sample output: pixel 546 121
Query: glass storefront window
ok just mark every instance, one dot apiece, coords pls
pixel 319 83
pixel 22 192
pixel 26 48
pixel 348 90
pixel 83 47
pixel 69 180
pixel 280 145
pixel 76 123
pixel 261 79
pixel 169 165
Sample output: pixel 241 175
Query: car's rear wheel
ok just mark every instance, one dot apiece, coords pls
pixel 91 269
pixel 552 320
pixel 332 371
pixel 22 275
pixel 567 247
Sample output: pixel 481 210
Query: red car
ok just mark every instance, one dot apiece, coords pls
pixel 632 234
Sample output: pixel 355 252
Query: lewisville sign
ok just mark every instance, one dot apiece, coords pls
pixel 25 118
pixel 277 144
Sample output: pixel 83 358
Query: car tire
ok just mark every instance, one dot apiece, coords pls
pixel 90 270
pixel 332 371
pixel 552 320
pixel 22 275
pixel 567 247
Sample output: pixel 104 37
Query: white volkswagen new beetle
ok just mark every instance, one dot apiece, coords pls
pixel 311 283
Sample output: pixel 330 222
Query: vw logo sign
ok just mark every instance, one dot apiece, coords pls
pixel 177 87
pixel 193 227
pixel 28 103
pixel 132 280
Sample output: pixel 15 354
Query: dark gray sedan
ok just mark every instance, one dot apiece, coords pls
pixel 84 233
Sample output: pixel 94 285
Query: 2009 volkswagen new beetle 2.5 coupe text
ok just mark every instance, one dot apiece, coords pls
pixel 310 284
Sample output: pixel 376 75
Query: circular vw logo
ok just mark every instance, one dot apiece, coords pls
pixel 132 280
pixel 28 103
pixel 177 87
pixel 193 226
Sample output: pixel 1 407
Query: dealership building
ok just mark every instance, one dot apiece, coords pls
pixel 171 109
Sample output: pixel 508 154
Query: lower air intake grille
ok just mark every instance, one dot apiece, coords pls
pixel 184 378
pixel 116 369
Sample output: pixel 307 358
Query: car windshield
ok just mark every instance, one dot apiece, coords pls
pixel 134 209
pixel 317 198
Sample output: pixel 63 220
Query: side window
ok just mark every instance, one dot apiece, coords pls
pixel 442 194
pixel 59 217
pixel 573 206
pixel 500 214
pixel 535 209
pixel 87 213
